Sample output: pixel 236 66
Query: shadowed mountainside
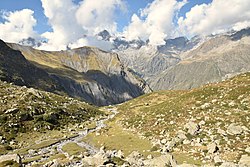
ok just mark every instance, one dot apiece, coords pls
pixel 70 71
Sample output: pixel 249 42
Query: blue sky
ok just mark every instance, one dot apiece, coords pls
pixel 123 18
pixel 74 23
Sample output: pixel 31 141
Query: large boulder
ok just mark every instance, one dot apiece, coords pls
pixel 163 160
pixel 135 158
pixel 15 158
pixel 96 160
pixel 234 129
pixel 212 148
pixel 192 127
pixel 244 160
pixel 228 164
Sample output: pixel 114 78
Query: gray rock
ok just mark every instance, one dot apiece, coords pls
pixel 203 65
pixel 186 165
pixel 120 154
pixel 96 160
pixel 212 148
pixel 217 159
pixel 35 92
pixel 53 163
pixel 12 111
pixel 32 152
pixel 163 141
pixel 134 158
pixel 12 157
pixel 245 160
pixel 169 146
pixel 186 141
pixel 247 150
pixel 228 164
pixel 192 127
pixel 163 160
pixel 222 132
pixel 234 129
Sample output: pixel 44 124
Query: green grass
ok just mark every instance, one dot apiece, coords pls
pixel 73 149
pixel 41 145
pixel 185 158
pixel 116 138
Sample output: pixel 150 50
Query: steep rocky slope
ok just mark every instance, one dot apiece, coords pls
pixel 147 61
pixel 207 125
pixel 214 60
pixel 15 68
pixel 87 73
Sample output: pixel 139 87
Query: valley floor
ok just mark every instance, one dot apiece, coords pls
pixel 207 126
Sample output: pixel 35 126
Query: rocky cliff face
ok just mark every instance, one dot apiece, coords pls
pixel 87 73
pixel 218 58
pixel 147 61
pixel 14 67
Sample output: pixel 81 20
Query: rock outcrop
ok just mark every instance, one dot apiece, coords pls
pixel 215 60
pixel 10 159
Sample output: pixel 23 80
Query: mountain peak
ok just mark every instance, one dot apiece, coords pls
pixel 104 35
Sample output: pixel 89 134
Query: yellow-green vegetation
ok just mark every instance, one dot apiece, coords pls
pixel 183 158
pixel 9 163
pixel 73 148
pixel 35 158
pixel 4 149
pixel 37 140
pixel 115 137
pixel 91 125
pixel 162 114
pixel 38 146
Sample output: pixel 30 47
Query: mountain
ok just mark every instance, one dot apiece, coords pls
pixel 119 43
pixel 87 73
pixel 30 42
pixel 184 64
pixel 147 61
pixel 214 60
pixel 14 67
pixel 104 35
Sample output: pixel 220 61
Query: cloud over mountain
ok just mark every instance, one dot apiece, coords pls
pixel 75 23
pixel 71 22
pixel 218 16
pixel 155 21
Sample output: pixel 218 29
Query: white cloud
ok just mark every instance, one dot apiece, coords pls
pixel 93 42
pixel 18 25
pixel 61 16
pixel 218 16
pixel 71 22
pixel 155 21
pixel 97 15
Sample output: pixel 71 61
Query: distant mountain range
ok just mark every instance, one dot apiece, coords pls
pixel 130 69
pixel 184 64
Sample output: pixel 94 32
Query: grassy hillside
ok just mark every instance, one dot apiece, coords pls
pixel 27 113
pixel 212 108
